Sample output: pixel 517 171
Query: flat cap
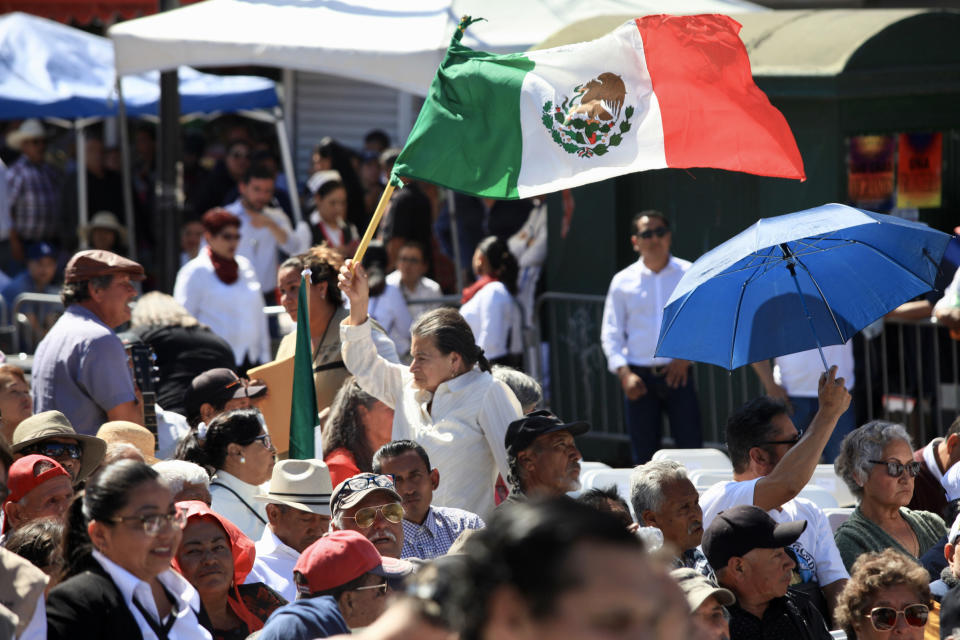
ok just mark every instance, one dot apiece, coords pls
pixel 95 262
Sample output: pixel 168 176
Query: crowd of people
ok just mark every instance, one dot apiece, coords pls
pixel 150 496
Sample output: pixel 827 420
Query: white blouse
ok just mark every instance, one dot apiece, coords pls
pixel 464 431
pixel 233 311
pixel 495 320
pixel 236 501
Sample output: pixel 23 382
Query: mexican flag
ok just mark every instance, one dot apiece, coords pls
pixel 303 405
pixel 657 92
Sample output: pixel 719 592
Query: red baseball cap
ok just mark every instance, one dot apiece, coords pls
pixel 341 556
pixel 23 477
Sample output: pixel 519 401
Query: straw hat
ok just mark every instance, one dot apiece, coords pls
pixel 53 424
pixel 119 431
pixel 302 484
pixel 105 220
pixel 30 129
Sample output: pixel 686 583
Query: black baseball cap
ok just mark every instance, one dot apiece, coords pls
pixel 521 433
pixel 738 530
pixel 217 386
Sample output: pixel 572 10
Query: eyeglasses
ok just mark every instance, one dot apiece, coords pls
pixel 895 468
pixel 885 618
pixel 230 237
pixel 792 441
pixel 359 484
pixel 382 588
pixel 56 450
pixel 365 517
pixel 265 440
pixel 649 233
pixel 154 522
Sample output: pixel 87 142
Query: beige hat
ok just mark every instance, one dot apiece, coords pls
pixel 105 220
pixel 301 484
pixel 30 129
pixel 698 588
pixel 130 432
pixel 53 424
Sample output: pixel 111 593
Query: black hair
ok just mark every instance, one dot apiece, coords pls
pixel 378 136
pixel 450 333
pixel 324 264
pixel 502 262
pixel 39 541
pixel 104 495
pixel 329 187
pixel 77 292
pixel 344 428
pixel 526 546
pixel 749 425
pixel 648 213
pixel 419 246
pixel 6 455
pixel 258 172
pixel 240 426
pixel 261 157
pixel 396 448
pixel 600 498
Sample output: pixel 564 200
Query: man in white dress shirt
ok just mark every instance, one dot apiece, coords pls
pixel 298 510
pixel 263 230
pixel 632 315
pixel 411 278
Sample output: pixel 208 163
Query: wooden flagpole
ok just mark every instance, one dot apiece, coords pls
pixel 374 223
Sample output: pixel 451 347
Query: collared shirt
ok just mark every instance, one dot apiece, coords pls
pixel 233 311
pixel 274 565
pixel 791 617
pixel 438 532
pixel 633 311
pixel 930 458
pixel 34 195
pixel 186 627
pixel 258 245
pixel 390 310
pixel 235 502
pixel 464 430
pixel 694 559
pixel 80 368
pixel 495 320
pixel 426 289
pixel 799 373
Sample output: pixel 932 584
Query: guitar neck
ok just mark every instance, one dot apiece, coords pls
pixel 150 415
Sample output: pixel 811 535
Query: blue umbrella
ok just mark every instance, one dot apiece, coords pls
pixel 796 282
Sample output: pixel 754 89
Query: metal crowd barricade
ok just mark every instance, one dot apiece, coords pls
pixel 47 302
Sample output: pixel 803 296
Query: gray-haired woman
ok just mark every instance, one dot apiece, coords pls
pixel 876 461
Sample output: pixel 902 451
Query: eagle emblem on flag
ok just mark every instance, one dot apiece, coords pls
pixel 592 121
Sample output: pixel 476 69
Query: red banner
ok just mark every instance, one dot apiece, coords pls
pixel 919 170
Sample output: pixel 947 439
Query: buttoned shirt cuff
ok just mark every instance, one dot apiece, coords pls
pixel 352 333
pixel 614 362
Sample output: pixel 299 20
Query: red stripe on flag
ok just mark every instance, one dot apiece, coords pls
pixel 713 114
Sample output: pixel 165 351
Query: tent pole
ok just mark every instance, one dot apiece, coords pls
pixel 287 159
pixel 83 212
pixel 125 174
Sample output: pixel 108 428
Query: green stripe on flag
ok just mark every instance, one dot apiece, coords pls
pixel 303 408
pixel 468 136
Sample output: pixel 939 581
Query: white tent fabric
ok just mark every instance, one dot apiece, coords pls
pixel 396 44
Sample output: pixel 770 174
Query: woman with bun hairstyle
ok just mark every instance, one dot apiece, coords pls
pixel 446 400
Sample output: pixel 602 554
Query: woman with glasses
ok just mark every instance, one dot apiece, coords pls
pixel 120 539
pixel 215 557
pixel 887 596
pixel 220 289
pixel 238 453
pixel 876 461
pixel 446 400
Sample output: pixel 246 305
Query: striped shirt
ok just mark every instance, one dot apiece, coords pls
pixel 442 526
pixel 34 197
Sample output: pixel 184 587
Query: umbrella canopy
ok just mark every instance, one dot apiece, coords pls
pixel 796 282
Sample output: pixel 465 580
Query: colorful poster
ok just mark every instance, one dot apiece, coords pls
pixel 919 170
pixel 870 172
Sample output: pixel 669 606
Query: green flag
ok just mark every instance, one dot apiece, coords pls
pixel 303 410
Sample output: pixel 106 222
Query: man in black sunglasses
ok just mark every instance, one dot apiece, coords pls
pixel 630 329
pixel 50 434
pixel 369 503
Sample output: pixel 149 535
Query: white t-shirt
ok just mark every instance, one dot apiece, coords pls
pixel 817 554
pixel 799 373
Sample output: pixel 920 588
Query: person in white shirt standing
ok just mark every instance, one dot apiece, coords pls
pixel 411 278
pixel 630 328
pixel 298 511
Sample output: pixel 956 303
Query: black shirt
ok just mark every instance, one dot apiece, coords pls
pixel 792 617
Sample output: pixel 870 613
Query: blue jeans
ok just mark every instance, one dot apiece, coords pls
pixel 803 411
pixel 644 421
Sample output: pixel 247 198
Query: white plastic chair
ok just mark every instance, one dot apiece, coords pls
pixel 836 516
pixel 694 459
pixel 587 465
pixel 838 634
pixel 826 477
pixel 706 478
pixel 600 478
pixel 819 496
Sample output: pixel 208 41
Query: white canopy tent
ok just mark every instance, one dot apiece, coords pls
pixel 395 44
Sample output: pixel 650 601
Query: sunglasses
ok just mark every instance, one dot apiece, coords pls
pixel 382 587
pixel 885 618
pixel 154 522
pixel 895 468
pixel 365 517
pixel 649 233
pixel 56 450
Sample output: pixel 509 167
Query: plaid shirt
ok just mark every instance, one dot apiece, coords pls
pixel 34 196
pixel 694 559
pixel 434 537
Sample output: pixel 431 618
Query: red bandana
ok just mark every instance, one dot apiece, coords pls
pixel 226 268
pixel 472 290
